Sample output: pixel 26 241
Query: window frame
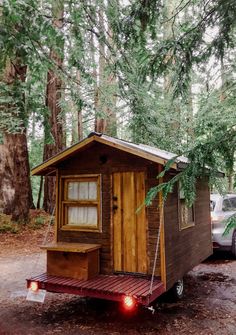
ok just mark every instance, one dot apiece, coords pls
pixel 66 203
pixel 228 199
pixel 181 197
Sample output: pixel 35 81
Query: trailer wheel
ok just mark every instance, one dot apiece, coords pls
pixel 234 244
pixel 177 291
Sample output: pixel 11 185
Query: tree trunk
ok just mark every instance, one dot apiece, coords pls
pixel 53 96
pixel 80 125
pixel 229 157
pixel 53 124
pixel 40 193
pixel 105 119
pixel 173 126
pixel 17 158
pixel 6 182
pixel 111 82
pixel 77 116
pixel 100 120
pixel 223 78
pixel 17 155
pixel 230 182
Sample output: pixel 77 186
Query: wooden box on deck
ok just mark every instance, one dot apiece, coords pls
pixel 73 260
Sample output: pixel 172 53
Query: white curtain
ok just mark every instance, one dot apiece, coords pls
pixel 82 190
pixel 86 216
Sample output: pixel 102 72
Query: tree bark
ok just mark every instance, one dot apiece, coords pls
pixel 229 157
pixel 230 178
pixel 100 121
pixel 54 141
pixel 17 153
pixel 6 182
pixel 17 158
pixel 107 122
pixel 77 116
pixel 53 96
pixel 40 193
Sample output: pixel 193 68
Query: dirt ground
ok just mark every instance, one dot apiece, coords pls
pixel 209 305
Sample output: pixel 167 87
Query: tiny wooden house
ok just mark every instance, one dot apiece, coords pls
pixel 104 247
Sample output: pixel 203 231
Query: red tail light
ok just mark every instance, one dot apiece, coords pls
pixel 129 302
pixel 34 286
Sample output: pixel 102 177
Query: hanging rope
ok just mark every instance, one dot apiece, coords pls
pixel 157 246
pixel 49 226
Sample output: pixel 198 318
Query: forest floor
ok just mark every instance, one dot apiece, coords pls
pixel 208 307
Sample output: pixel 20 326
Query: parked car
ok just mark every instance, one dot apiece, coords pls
pixel 222 208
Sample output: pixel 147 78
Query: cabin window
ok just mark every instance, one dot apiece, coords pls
pixel 81 203
pixel 186 213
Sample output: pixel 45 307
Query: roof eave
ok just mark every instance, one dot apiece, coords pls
pixel 51 164
pixel 44 168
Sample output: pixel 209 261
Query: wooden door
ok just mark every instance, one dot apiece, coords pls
pixel 130 226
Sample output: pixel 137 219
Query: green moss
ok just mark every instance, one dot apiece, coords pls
pixel 37 222
pixel 9 228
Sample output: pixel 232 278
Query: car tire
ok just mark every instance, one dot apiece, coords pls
pixel 234 243
pixel 177 291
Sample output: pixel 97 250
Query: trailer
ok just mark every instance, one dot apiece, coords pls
pixel 107 244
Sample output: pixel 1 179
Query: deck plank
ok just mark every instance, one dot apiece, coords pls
pixel 104 286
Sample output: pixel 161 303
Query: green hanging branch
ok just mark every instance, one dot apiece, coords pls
pixel 230 224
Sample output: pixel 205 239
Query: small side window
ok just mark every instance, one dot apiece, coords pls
pixel 229 205
pixel 186 213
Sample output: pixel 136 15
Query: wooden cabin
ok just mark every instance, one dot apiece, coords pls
pixel 104 247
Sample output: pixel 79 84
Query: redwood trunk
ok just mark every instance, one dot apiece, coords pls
pixel 107 122
pixel 53 95
pixel 17 157
pixel 6 181
pixel 80 125
pixel 54 141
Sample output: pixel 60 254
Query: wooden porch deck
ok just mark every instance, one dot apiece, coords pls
pixel 110 287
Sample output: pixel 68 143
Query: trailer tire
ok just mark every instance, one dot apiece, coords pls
pixel 234 243
pixel 177 291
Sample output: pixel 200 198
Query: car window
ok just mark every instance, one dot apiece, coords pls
pixel 229 204
pixel 212 205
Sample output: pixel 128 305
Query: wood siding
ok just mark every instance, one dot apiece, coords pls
pixel 183 249
pixel 153 215
pixel 101 159
pixel 129 227
pixel 187 248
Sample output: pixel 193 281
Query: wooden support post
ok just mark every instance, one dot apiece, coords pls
pixel 162 235
pixel 57 212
